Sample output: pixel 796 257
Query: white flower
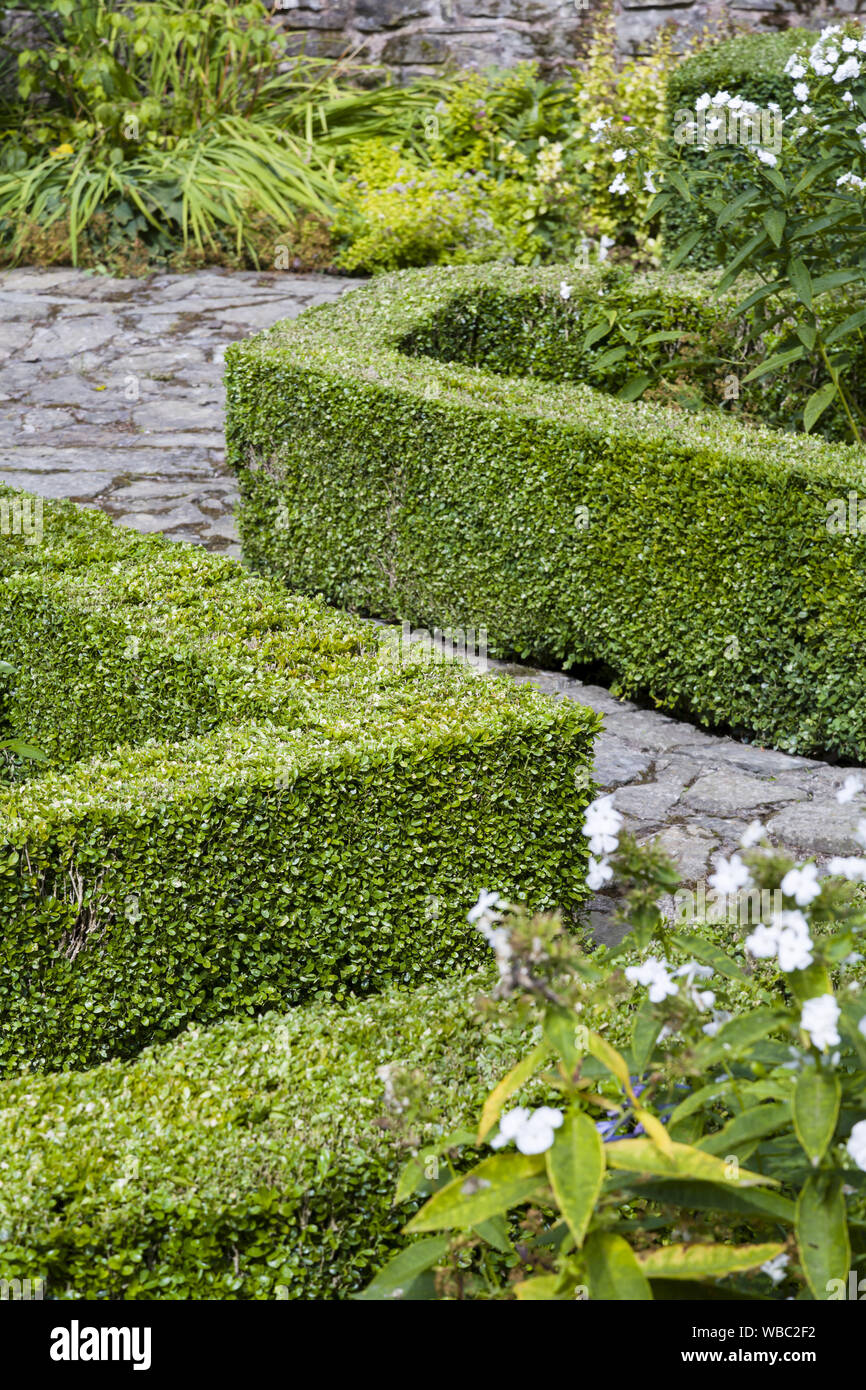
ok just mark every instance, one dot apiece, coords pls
pixel 801 91
pixel 721 98
pixel 861 1026
pixel 847 70
pixel 763 943
pixel 852 868
pixel 821 68
pixel 819 1018
pixel 694 971
pixel 802 884
pixel 604 245
pixel 619 185
pixel 849 789
pixel 531 1130
pixel 849 45
pixel 564 290
pixel 856 1145
pixel 720 1017
pixel 766 156
pixel 730 876
pixel 599 127
pixel 649 183
pixel 752 835
pixel 793 941
pixel 601 825
pixel 486 908
pixel 832 55
pixel 598 874
pixel 856 182
pixel 848 98
pixel 702 102
pixel 862 46
pixel 619 155
pixel 794 68
pixel 654 974
pixel 776 1268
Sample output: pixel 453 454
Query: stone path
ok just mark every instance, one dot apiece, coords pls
pixel 111 390
pixel 110 393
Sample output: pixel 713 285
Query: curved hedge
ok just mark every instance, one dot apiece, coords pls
pixel 256 1160
pixel 307 817
pixel 689 554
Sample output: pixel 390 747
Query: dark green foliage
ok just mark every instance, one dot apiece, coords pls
pixel 256 1160
pixel 411 488
pixel 268 805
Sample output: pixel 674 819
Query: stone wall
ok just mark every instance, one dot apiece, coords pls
pixel 421 36
pixel 414 37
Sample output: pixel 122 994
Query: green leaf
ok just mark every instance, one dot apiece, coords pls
pixel 709 954
pixel 817 404
pixel 822 1233
pixel 736 1037
pixel 847 326
pixel 634 388
pixel 543 1286
pixel 24 750
pixel 750 1124
pixel 595 334
pixel 575 1166
pixel 6 669
pixel 778 359
pixel 559 1031
pixel 517 1077
pixel 730 210
pixel 494 1186
pixel 694 1195
pixel 393 1280
pixel 774 221
pixel 495 1232
pixel 613 1272
pixel 644 1034
pixel 817 1097
pixel 613 355
pixel 705 1261
pixel 413 1172
pixel 643 1156
pixel 685 246
pixel 801 281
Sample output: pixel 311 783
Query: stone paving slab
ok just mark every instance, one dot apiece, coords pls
pixel 107 381
pixel 111 394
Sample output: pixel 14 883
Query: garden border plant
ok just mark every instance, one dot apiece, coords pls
pixel 691 556
pixel 310 817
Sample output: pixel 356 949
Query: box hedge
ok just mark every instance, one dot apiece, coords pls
pixel 310 816
pixel 691 556
pixel 256 1160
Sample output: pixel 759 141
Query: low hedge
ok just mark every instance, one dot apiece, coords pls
pixel 332 843
pixel 256 1160
pixel 690 555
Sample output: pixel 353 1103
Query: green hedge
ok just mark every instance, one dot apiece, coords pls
pixel 326 838
pixel 234 1161
pixel 413 488
pixel 750 66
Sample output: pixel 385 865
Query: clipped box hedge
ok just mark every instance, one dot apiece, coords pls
pixel 309 818
pixel 412 487
pixel 256 1160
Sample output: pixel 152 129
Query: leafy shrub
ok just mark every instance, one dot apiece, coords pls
pixel 271 804
pixel 692 557
pixel 721 1152
pixel 749 66
pixel 508 166
pixel 798 225
pixel 166 127
pixel 256 1160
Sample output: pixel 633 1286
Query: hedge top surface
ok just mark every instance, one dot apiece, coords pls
pixel 756 60
pixel 250 1105
pixel 356 342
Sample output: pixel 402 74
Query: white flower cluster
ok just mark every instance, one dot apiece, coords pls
pixel 786 939
pixel 856 1145
pixel 657 977
pixel 818 1018
pixel 828 57
pixel 531 1130
pixel 601 825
